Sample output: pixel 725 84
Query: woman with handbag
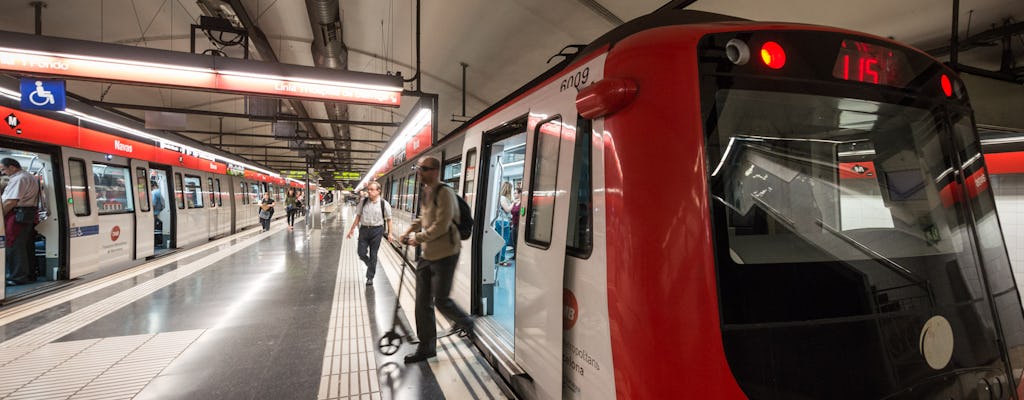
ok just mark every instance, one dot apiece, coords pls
pixel 266 211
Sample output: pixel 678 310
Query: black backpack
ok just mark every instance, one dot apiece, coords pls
pixel 465 222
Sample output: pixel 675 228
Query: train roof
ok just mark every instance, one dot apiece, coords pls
pixel 661 17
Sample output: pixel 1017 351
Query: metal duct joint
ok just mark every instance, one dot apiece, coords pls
pixel 329 51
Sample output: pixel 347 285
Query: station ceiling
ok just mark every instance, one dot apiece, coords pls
pixel 504 43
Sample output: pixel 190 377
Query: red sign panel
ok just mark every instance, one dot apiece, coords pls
pixel 419 142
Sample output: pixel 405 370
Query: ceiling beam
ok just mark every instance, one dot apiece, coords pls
pixel 259 146
pixel 256 135
pixel 981 39
pixel 238 115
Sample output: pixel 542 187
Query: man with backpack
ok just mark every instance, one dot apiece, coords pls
pixel 371 216
pixel 437 232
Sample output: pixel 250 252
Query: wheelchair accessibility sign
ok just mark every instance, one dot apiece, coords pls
pixel 41 94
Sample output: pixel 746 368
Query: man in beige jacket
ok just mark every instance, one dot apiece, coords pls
pixel 435 231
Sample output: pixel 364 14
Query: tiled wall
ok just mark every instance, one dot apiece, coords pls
pixel 1009 193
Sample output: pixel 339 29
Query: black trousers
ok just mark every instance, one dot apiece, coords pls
pixel 291 215
pixel 20 258
pixel 433 286
pixel 369 243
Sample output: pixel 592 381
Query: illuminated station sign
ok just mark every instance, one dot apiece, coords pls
pixel 77 59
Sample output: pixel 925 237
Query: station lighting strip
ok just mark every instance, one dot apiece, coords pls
pixel 418 122
pixel 76 65
pixel 135 132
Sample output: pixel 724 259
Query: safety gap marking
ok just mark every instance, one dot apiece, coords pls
pixel 21 310
pixel 107 368
pixel 457 369
pixel 349 366
pixel 78 319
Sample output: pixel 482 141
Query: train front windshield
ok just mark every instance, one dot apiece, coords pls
pixel 859 253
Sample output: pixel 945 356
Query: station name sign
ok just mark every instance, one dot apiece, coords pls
pixel 152 67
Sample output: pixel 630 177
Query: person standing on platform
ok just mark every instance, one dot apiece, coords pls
pixel 438 236
pixel 291 207
pixel 158 198
pixel 266 211
pixel 371 216
pixel 20 208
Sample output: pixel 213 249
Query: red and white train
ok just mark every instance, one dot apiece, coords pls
pixel 97 174
pixel 722 209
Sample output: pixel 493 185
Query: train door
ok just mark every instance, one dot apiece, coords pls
pixel 502 168
pixel 144 221
pixel 45 247
pixel 190 204
pixel 540 257
pixel 163 206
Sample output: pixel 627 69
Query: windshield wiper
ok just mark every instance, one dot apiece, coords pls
pixel 880 258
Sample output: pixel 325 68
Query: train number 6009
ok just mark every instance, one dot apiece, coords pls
pixel 575 80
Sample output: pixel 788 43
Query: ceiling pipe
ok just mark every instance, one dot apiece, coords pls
pixel 954 39
pixel 329 51
pixel 39 6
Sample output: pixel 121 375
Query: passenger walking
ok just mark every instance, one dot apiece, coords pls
pixel 371 216
pixel 20 201
pixel 266 211
pixel 435 231
pixel 291 202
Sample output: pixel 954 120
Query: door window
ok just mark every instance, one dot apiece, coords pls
pixel 79 187
pixel 142 189
pixel 541 208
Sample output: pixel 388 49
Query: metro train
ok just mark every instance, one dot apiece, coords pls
pixel 715 208
pixel 100 180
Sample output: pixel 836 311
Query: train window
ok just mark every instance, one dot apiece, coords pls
pixel 580 239
pixel 452 171
pixel 113 193
pixel 213 193
pixel 193 191
pixel 220 195
pixel 394 192
pixel 79 187
pixel 255 195
pixel 470 188
pixel 410 192
pixel 179 191
pixel 540 211
pixel 142 189
pixel 244 193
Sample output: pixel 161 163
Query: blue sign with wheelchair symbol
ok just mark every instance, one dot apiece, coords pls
pixel 41 94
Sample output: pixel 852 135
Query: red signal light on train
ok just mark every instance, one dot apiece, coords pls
pixel 947 85
pixel 773 55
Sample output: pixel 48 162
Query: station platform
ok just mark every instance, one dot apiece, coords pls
pixel 276 315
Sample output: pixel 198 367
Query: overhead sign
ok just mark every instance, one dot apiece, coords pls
pixel 42 94
pixel 69 58
pixel 346 175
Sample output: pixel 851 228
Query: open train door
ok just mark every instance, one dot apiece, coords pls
pixel 144 223
pixel 541 255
